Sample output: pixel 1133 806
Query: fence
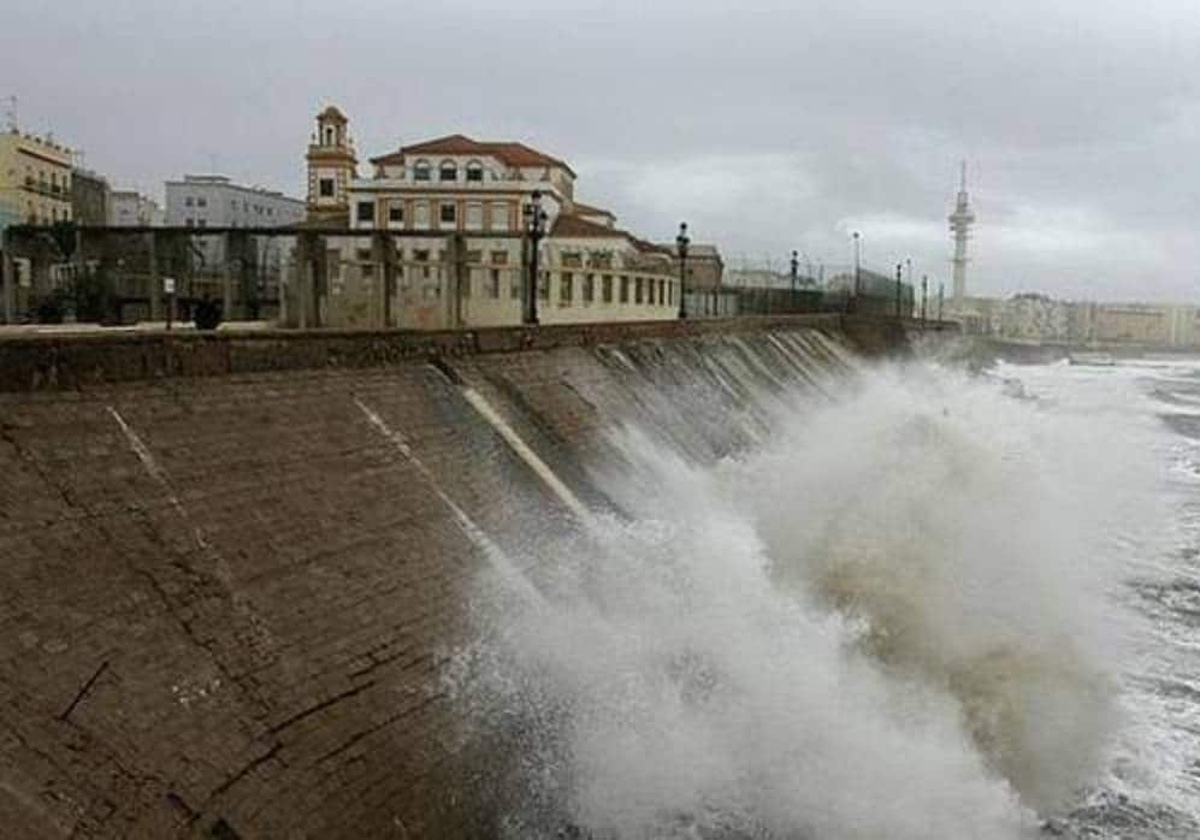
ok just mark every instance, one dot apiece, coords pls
pixel 383 279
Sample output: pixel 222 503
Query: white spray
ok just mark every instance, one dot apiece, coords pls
pixel 891 621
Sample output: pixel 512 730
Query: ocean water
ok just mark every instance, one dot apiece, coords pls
pixel 924 605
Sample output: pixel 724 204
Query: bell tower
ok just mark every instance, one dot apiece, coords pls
pixel 331 166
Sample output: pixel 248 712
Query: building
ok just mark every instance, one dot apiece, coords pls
pixel 1040 319
pixel 35 178
pixel 129 208
pixel 216 201
pixel 755 278
pixel 461 207
pixel 89 198
pixel 705 268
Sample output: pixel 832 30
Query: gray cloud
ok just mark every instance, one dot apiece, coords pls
pixel 767 127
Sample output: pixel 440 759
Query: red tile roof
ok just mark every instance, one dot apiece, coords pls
pixel 514 154
pixel 588 210
pixel 577 227
pixel 570 226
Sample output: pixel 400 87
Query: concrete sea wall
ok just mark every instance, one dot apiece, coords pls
pixel 233 568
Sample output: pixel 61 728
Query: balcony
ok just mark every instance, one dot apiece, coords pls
pixel 55 191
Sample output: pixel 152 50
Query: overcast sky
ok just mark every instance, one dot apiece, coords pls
pixel 768 126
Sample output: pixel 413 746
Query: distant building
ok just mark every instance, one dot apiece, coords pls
pixel 35 178
pixel 1038 318
pixel 471 198
pixel 755 278
pixel 129 208
pixel 216 201
pixel 89 198
pixel 705 268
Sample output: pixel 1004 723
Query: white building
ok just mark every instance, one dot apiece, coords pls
pixel 216 201
pixel 471 197
pixel 129 208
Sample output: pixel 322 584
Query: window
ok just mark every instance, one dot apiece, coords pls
pixel 500 216
pixel 637 290
pixel 499 257
pixel 201 202
pixel 494 284
pixel 544 286
pixel 448 213
pixel 421 256
pixel 514 286
pixel 474 216
pixel 325 189
pixel 566 288
pixel 396 214
pixel 366 212
pixel 474 257
pixel 448 171
pixel 624 289
pixel 572 259
pixel 422 213
pixel 328 136
pixel 589 288
pixel 190 222
pixel 421 170
pixel 188 202
pixel 475 171
pixel 606 288
pixel 202 223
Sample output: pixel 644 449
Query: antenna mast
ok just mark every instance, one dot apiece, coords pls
pixel 961 221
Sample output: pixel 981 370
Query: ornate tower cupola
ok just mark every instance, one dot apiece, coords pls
pixel 331 166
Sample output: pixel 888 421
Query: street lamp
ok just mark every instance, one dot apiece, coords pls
pixel 681 242
pixel 924 297
pixel 899 287
pixel 535 228
pixel 857 265
pixel 795 269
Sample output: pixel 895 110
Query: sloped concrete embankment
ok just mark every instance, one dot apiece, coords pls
pixel 226 602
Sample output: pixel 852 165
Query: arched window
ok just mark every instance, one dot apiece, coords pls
pixel 475 171
pixel 421 170
pixel 329 135
pixel 448 171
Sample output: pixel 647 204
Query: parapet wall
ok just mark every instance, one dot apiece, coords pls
pixel 233 569
pixel 69 361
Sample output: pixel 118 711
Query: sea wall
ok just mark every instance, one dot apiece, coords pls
pixel 234 568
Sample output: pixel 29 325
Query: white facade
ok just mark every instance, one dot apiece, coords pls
pixel 128 208
pixel 473 199
pixel 216 201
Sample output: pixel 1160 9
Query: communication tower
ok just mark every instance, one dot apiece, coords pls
pixel 961 221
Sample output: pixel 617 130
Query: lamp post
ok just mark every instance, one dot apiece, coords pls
pixel 681 242
pixel 941 299
pixel 535 228
pixel 857 265
pixel 795 269
pixel 899 287
pixel 924 297
pixel 908 264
